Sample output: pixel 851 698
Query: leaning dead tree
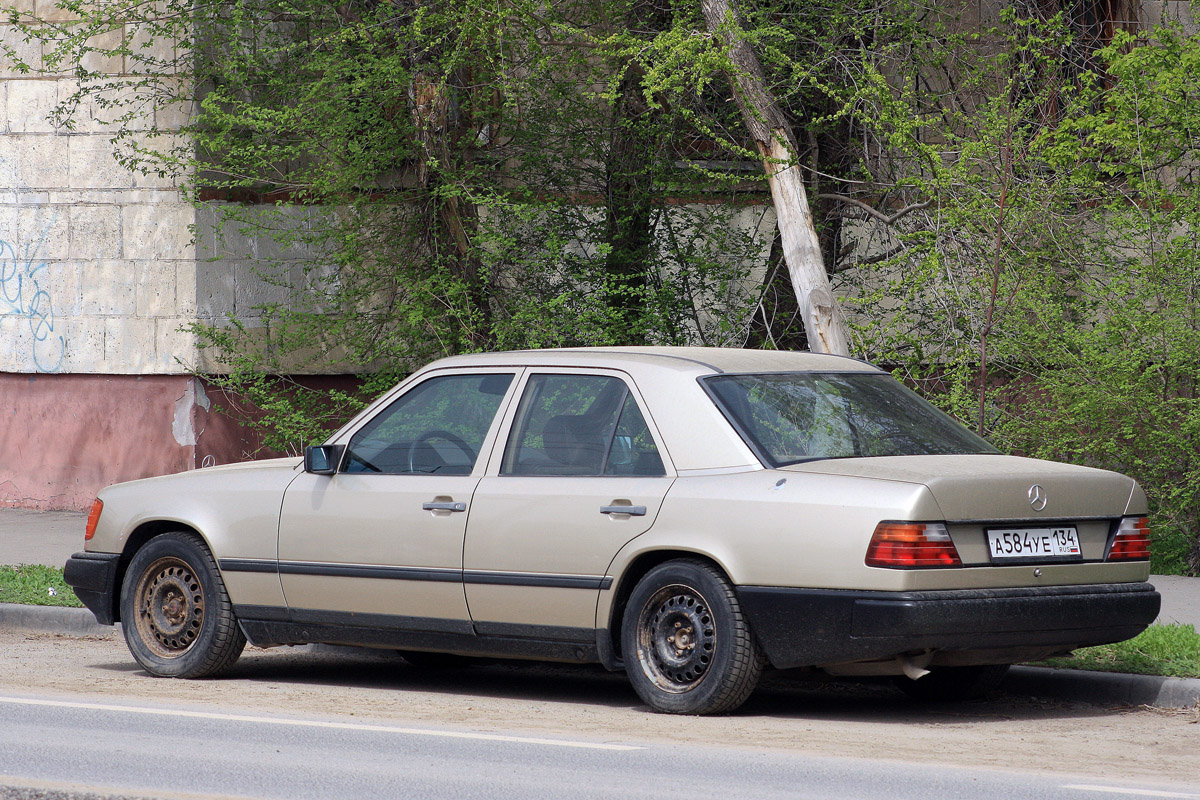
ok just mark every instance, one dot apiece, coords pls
pixel 823 319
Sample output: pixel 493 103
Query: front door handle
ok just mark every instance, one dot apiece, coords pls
pixel 437 506
pixel 633 511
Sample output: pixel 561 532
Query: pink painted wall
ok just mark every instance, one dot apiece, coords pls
pixel 65 437
pixel 223 438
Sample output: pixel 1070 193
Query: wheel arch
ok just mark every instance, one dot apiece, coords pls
pixel 633 573
pixel 137 539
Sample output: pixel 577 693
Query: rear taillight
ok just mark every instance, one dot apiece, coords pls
pixel 93 519
pixel 1131 542
pixel 912 544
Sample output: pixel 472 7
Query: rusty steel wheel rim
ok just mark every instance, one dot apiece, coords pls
pixel 170 607
pixel 676 638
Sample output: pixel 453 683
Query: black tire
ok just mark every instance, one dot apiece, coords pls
pixel 953 684
pixel 686 645
pixel 175 612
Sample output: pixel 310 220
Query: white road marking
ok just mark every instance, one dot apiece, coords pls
pixel 1135 792
pixel 300 723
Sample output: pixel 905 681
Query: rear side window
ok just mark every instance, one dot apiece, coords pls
pixel 580 425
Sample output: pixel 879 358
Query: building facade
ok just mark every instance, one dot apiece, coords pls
pixel 100 274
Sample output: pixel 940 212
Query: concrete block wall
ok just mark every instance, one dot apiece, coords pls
pixel 98 277
pixel 97 264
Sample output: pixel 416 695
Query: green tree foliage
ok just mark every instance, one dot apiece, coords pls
pixel 431 178
pixel 1121 381
pixel 1049 292
pixel 420 179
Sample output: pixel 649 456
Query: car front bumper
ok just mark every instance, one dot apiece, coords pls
pixel 815 627
pixel 93 578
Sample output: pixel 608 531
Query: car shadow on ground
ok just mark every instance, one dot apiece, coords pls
pixel 785 695
pixel 781 694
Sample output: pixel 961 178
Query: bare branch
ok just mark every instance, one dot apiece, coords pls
pixel 879 215
pixel 868 260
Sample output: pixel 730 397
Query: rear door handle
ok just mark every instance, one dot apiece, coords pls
pixel 436 506
pixel 633 511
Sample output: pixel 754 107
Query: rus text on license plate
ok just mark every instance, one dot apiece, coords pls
pixel 1019 544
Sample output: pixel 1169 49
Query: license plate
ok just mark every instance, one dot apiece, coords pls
pixel 1034 544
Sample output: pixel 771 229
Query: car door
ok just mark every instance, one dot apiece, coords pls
pixel 581 473
pixel 383 536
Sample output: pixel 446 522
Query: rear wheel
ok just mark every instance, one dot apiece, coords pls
pixel 950 684
pixel 175 613
pixel 686 645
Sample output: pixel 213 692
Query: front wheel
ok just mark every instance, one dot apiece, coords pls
pixel 175 613
pixel 686 645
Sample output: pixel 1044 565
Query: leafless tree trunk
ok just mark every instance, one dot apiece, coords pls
pixel 772 135
pixel 453 219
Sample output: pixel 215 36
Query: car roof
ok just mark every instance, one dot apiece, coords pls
pixel 695 431
pixel 699 360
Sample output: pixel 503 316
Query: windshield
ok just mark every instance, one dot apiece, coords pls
pixel 803 416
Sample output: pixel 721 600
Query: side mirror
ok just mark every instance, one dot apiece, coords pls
pixel 322 459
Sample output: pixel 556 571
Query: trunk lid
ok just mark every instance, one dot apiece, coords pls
pixel 995 487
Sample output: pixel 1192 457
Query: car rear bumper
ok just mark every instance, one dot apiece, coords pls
pixel 93 578
pixel 812 627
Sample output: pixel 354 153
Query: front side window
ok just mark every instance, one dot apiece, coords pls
pixel 580 425
pixel 435 428
pixel 792 417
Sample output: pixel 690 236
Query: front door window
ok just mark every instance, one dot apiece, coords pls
pixel 436 428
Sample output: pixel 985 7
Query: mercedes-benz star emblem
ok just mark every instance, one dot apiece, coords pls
pixel 1037 497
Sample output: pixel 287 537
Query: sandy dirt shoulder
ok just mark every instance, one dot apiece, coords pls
pixel 857 721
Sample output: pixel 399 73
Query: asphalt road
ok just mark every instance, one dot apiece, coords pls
pixel 154 750
pixel 105 731
pixel 79 720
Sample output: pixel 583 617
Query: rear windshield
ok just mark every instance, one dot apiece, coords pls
pixel 792 417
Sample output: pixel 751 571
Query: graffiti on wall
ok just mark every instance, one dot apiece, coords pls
pixel 22 275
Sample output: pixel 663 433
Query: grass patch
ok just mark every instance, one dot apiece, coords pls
pixel 1170 650
pixel 36 585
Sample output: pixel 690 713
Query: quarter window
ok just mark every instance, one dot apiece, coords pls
pixel 633 450
pixel 435 428
pixel 580 425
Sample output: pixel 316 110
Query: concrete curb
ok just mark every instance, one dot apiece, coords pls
pixel 52 619
pixel 1098 688
pixel 1101 688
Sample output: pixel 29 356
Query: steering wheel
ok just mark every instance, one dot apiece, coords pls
pixel 438 434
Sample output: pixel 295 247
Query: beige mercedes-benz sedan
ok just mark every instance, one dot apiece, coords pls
pixel 688 515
